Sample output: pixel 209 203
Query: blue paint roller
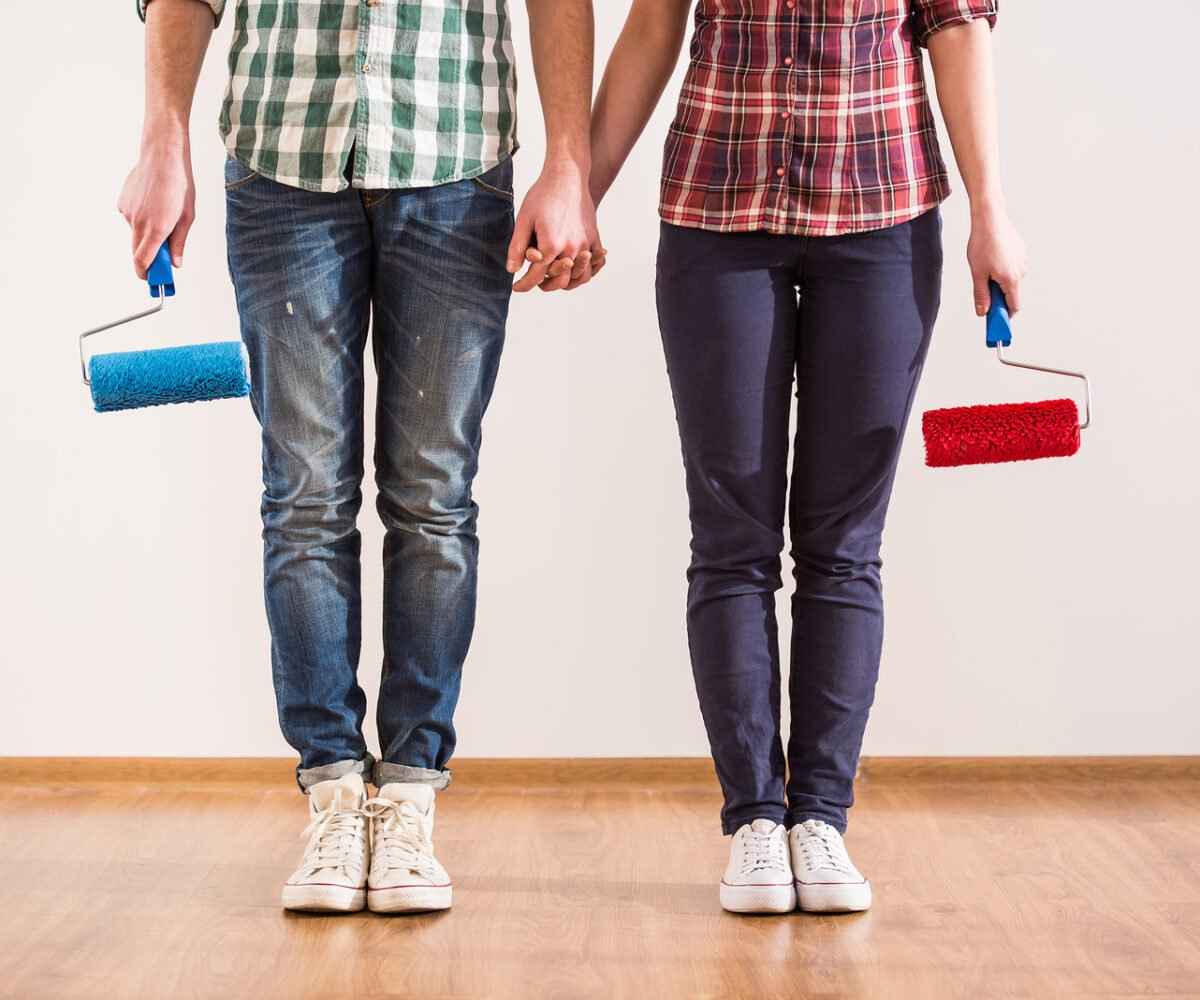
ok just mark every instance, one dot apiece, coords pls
pixel 128 380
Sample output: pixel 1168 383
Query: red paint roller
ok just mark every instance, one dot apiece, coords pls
pixel 1005 432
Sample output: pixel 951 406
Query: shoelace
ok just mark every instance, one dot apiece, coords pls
pixel 333 833
pixel 398 837
pixel 823 849
pixel 763 852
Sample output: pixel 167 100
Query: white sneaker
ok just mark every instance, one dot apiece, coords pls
pixel 826 879
pixel 405 876
pixel 333 875
pixel 758 878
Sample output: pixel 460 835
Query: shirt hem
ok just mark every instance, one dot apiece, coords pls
pixel 801 228
pixel 341 184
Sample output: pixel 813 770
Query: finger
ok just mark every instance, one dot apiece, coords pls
pixel 559 275
pixel 534 275
pixel 178 239
pixel 583 278
pixel 983 294
pixel 1012 292
pixel 583 263
pixel 599 259
pixel 148 242
pixel 519 246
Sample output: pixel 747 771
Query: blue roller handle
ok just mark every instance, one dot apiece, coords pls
pixel 999 322
pixel 159 275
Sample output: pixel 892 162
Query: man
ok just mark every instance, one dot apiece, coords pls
pixel 369 184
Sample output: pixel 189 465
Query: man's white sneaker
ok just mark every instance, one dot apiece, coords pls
pixel 758 878
pixel 826 879
pixel 333 875
pixel 405 876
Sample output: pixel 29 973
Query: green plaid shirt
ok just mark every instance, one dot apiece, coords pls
pixel 423 91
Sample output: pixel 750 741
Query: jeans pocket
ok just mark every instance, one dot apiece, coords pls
pixel 498 180
pixel 237 173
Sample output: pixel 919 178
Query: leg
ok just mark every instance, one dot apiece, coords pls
pixel 727 309
pixel 300 263
pixel 441 303
pixel 867 308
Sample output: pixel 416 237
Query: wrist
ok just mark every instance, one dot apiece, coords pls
pixel 165 138
pixel 569 158
pixel 987 207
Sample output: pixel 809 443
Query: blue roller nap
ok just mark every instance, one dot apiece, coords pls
pixel 191 374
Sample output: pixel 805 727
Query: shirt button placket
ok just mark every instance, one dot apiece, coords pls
pixel 366 59
pixel 786 115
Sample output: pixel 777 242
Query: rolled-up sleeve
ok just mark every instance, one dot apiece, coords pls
pixel 931 16
pixel 218 8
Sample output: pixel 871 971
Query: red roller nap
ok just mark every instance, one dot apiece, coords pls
pixel 1005 432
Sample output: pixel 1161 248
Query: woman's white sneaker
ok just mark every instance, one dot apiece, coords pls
pixel 405 876
pixel 333 875
pixel 826 879
pixel 758 878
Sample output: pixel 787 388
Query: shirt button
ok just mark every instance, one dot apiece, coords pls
pixel 366 67
pixel 779 172
pixel 785 115
pixel 787 60
pixel 791 4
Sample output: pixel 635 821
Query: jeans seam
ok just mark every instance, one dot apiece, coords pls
pixel 241 182
pixel 506 195
pixel 378 201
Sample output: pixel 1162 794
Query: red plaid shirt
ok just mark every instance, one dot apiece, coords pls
pixel 808 117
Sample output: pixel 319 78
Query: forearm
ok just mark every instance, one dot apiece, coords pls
pixel 966 86
pixel 964 73
pixel 562 36
pixel 638 70
pixel 177 36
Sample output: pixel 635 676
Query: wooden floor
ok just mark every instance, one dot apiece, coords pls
pixel 598 879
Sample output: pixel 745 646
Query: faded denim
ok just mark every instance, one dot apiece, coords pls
pixel 424 270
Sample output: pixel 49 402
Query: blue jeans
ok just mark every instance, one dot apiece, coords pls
pixel 844 322
pixel 424 269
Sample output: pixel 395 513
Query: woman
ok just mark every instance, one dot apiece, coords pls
pixel 800 252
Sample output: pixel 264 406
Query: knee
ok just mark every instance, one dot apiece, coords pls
pixel 740 561
pixel 737 527
pixel 835 554
pixel 438 508
pixel 307 505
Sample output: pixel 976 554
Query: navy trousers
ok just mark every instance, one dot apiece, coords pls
pixel 844 322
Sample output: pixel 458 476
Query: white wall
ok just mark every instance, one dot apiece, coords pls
pixel 1043 608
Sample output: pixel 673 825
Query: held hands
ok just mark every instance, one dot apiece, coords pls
pixel 159 200
pixel 556 232
pixel 997 252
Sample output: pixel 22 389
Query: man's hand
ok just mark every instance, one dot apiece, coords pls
pixel 556 228
pixel 159 201
pixel 996 252
pixel 159 197
pixel 556 233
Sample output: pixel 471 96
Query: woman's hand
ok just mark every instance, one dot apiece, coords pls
pixel 996 253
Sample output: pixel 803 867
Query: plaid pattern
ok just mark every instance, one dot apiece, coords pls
pixel 808 117
pixel 423 90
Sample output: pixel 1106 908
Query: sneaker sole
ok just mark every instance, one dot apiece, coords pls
pixel 758 898
pixel 409 899
pixel 323 898
pixel 853 897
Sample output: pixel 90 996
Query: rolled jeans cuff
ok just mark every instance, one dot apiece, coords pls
pixel 306 777
pixel 386 773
